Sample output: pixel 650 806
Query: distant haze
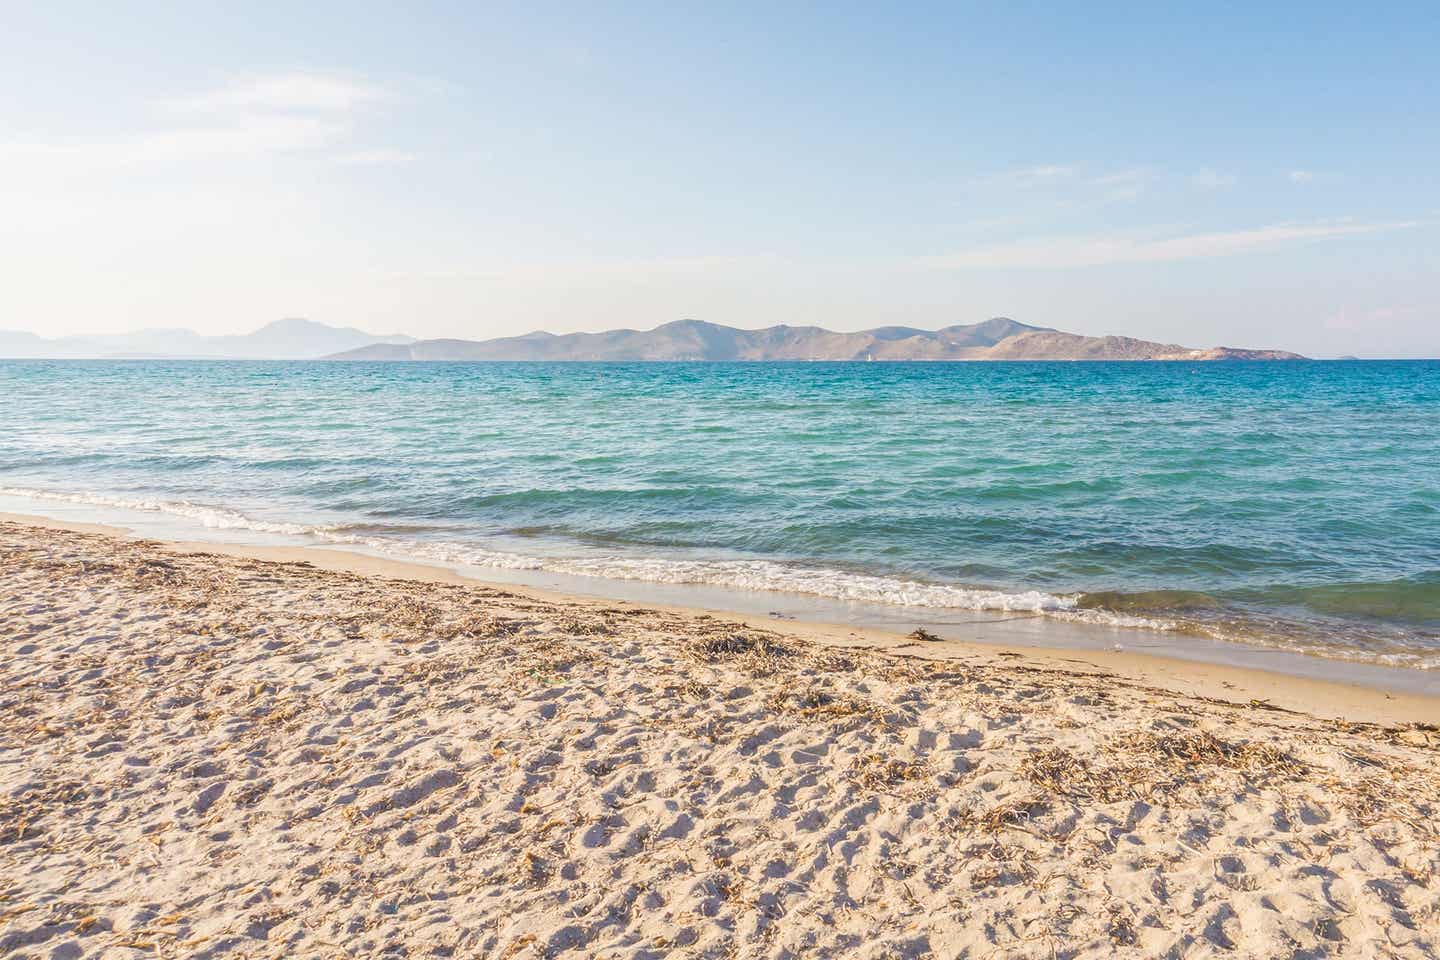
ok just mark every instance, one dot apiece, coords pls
pixel 281 340
pixel 999 338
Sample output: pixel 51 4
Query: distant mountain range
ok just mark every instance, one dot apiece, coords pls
pixel 281 340
pixel 997 339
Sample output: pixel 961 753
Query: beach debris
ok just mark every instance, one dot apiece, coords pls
pixel 1016 812
pixel 1416 735
pixel 1153 766
pixel 1075 778
pixel 530 870
pixel 757 652
pixel 1181 752
pixel 816 703
pixel 875 771
pixel 923 635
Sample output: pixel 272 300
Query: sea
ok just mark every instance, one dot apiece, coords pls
pixel 1291 506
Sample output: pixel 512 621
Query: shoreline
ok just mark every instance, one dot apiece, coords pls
pixel 1020 640
pixel 1319 657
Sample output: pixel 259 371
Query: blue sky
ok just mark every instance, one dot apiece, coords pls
pixel 1222 175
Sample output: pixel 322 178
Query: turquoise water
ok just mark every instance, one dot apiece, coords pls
pixel 1292 504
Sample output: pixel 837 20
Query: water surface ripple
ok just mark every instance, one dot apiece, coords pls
pixel 1293 504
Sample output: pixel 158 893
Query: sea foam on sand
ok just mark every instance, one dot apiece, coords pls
pixel 205 755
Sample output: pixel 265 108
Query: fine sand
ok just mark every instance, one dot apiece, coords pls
pixel 207 754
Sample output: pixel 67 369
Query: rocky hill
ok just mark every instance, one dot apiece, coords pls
pixel 996 339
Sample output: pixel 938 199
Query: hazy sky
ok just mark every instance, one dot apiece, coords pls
pixel 1247 177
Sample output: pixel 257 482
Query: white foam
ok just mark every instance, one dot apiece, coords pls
pixel 758 575
pixel 762 575
pixel 214 518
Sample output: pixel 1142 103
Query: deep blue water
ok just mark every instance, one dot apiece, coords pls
pixel 1287 503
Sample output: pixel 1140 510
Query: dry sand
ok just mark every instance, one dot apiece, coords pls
pixel 211 755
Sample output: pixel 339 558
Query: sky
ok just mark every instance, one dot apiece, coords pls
pixel 1261 175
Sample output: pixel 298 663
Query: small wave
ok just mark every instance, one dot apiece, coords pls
pixel 761 575
pixel 777 577
pixel 764 575
pixel 214 518
pixel 1147 611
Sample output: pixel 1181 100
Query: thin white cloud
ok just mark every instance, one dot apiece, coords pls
pixel 1124 185
pixel 620 268
pixel 374 158
pixel 1122 178
pixel 1301 176
pixel 1097 250
pixel 240 137
pixel 1066 184
pixel 294 91
pixel 1044 174
pixel 263 115
pixel 1037 176
pixel 1208 179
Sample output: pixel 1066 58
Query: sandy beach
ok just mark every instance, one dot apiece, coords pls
pixel 205 754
